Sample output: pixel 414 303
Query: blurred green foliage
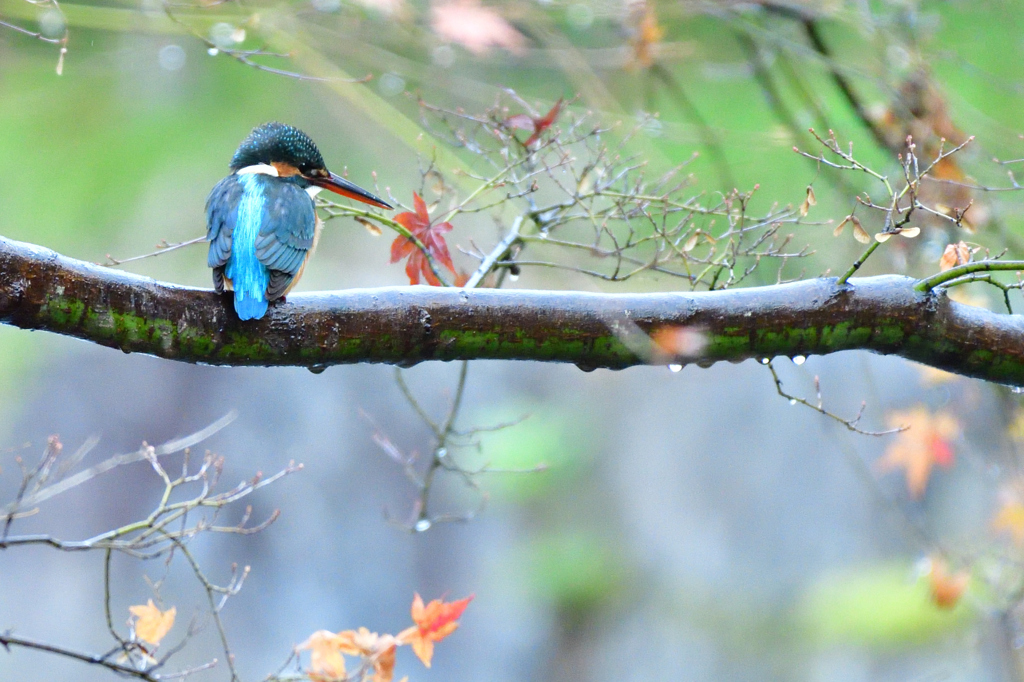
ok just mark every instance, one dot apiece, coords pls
pixel 541 439
pixel 879 605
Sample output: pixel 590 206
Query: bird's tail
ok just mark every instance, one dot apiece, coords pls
pixel 250 307
pixel 249 279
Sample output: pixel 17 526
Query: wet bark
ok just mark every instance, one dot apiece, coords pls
pixel 42 290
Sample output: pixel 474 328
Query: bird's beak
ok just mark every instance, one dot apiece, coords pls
pixel 340 185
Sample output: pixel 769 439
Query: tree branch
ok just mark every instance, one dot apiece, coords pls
pixel 40 289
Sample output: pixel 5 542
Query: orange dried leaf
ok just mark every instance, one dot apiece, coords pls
pixel 378 650
pixel 924 444
pixel 648 34
pixel 1010 519
pixel 680 340
pixel 433 622
pixel 946 587
pixel 152 624
pixel 954 255
pixel 327 664
pixel 384 661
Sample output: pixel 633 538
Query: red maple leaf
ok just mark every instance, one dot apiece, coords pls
pixel 537 125
pixel 431 236
pixel 433 622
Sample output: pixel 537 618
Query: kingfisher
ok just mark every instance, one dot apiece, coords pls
pixel 261 221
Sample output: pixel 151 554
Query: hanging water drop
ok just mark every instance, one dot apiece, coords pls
pixel 675 368
pixel 317 368
pixel 422 525
pixel 799 359
pixel 513 277
pixel 441 453
pixel 792 401
pixel 765 361
pixel 213 52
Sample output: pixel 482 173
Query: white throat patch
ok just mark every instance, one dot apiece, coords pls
pixel 258 169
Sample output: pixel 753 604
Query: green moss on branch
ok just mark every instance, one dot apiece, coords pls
pixel 405 325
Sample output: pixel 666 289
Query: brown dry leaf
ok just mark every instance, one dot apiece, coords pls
pixel 809 200
pixel 839 228
pixel 859 233
pixel 384 659
pixel 946 587
pixel 954 255
pixel 680 341
pixel 475 27
pixel 925 443
pixel 908 232
pixel 378 650
pixel 327 664
pixel 372 228
pixel 691 242
pixel 152 624
pixel 805 208
pixel 648 34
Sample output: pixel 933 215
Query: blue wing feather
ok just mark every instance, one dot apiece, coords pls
pixel 287 234
pixel 221 211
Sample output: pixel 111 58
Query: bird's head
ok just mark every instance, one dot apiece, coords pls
pixel 287 152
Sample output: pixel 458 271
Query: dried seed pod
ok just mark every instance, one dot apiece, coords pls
pixel 859 233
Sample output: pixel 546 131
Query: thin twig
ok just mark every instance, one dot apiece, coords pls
pixel 818 407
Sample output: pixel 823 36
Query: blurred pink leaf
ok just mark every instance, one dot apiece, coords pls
pixel 474 27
